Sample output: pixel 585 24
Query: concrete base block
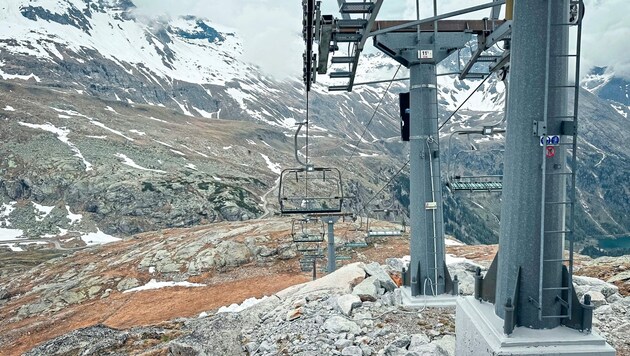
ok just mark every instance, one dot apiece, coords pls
pixel 421 301
pixel 480 332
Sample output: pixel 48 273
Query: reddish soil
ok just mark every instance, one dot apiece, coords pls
pixel 125 310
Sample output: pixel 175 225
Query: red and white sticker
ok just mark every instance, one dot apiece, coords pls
pixel 551 151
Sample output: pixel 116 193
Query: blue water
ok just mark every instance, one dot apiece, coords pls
pixel 620 242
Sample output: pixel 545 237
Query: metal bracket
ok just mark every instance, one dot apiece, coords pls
pixel 485 286
pixel 539 128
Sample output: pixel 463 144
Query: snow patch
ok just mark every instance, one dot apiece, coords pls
pixel 62 135
pixel 153 284
pixel 46 210
pixel 98 238
pixel 235 308
pixel 9 108
pixel 74 218
pixel 129 162
pixel 449 242
pixel 10 234
pixel 274 167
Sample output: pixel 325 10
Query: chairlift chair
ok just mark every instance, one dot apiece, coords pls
pixel 386 232
pixel 310 190
pixel 307 230
pixel 473 182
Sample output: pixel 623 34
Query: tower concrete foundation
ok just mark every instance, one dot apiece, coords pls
pixel 480 332
pixel 422 301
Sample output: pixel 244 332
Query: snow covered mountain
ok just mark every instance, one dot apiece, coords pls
pixel 605 84
pixel 185 123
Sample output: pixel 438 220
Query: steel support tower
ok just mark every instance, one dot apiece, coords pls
pixel 538 93
pixel 421 52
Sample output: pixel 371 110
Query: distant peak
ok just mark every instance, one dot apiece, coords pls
pixel 598 70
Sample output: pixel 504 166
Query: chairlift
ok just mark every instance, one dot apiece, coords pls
pixel 388 214
pixel 474 182
pixel 355 244
pixel 309 189
pixel 307 230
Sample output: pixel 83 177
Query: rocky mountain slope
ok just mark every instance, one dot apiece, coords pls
pixel 164 293
pixel 144 124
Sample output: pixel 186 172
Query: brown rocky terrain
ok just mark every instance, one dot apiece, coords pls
pixel 230 261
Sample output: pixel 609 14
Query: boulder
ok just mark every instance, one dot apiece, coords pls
pixel 588 284
pixel 431 349
pixel 340 281
pixel 338 324
pixel 231 254
pixel 375 270
pixel 352 351
pixel 368 289
pixel 446 345
pixel 342 343
pixel 127 283
pixel 401 342
pixel 625 275
pixel 294 314
pixel 286 252
pixel 203 262
pixel 395 264
pixel 347 302
pixel 417 340
pixel 597 298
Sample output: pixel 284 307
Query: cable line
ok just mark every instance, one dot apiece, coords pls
pixel 464 102
pixel 356 146
pixel 386 184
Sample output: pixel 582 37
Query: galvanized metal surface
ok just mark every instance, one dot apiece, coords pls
pixel 521 207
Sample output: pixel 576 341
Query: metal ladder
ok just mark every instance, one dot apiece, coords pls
pixel 569 172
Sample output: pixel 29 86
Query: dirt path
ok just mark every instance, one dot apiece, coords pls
pixel 264 199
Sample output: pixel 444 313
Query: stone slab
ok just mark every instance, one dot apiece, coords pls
pixel 480 332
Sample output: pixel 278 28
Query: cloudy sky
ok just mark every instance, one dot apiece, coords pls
pixel 271 29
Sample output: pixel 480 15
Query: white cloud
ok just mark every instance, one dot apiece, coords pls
pixel 606 34
pixel 271 29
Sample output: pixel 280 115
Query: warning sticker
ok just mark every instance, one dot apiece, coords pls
pixel 551 140
pixel 551 151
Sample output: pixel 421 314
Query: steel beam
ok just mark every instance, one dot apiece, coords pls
pixel 471 26
pixel 408 24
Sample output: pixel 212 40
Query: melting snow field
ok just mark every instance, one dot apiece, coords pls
pixel 10 234
pixel 153 284
pixel 62 135
pixel 274 167
pixel 98 238
pixel 449 242
pixel 45 210
pixel 129 162
pixel 235 308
